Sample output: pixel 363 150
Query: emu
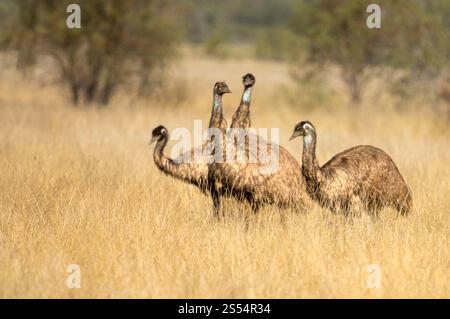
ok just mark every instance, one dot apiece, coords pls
pixel 360 175
pixel 195 173
pixel 248 181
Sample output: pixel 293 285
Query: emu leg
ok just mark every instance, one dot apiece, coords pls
pixel 216 204
pixel 403 207
pixel 354 206
pixel 255 206
pixel 373 209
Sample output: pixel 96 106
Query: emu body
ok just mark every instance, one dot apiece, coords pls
pixel 252 182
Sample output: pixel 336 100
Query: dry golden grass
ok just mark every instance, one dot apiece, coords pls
pixel 80 186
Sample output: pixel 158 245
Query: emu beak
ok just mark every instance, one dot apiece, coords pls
pixel 228 90
pixel 152 140
pixel 294 135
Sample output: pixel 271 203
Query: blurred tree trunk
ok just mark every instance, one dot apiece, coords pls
pixel 106 92
pixel 354 78
pixel 75 89
pixel 92 83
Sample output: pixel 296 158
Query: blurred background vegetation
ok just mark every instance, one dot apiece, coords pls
pixel 125 44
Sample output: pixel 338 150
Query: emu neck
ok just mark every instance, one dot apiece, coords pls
pixel 217 103
pixel 246 96
pixel 216 115
pixel 241 117
pixel 165 164
pixel 310 165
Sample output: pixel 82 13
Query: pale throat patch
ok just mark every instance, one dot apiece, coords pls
pixel 247 95
pixel 217 102
pixel 307 140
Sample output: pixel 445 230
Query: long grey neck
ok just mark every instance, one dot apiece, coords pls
pixel 164 163
pixel 244 107
pixel 217 102
pixel 216 115
pixel 182 171
pixel 246 96
pixel 310 165
pixel 241 117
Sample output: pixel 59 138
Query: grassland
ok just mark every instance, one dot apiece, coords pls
pixel 79 186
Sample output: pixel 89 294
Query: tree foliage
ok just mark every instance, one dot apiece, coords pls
pixel 413 35
pixel 235 20
pixel 118 42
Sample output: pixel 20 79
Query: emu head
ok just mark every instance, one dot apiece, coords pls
pixel 158 134
pixel 304 128
pixel 248 80
pixel 221 88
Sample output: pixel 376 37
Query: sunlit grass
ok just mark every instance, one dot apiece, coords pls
pixel 80 186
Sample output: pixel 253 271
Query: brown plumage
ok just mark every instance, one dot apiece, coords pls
pixel 256 183
pixel 190 172
pixel 195 170
pixel 247 177
pixel 360 175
